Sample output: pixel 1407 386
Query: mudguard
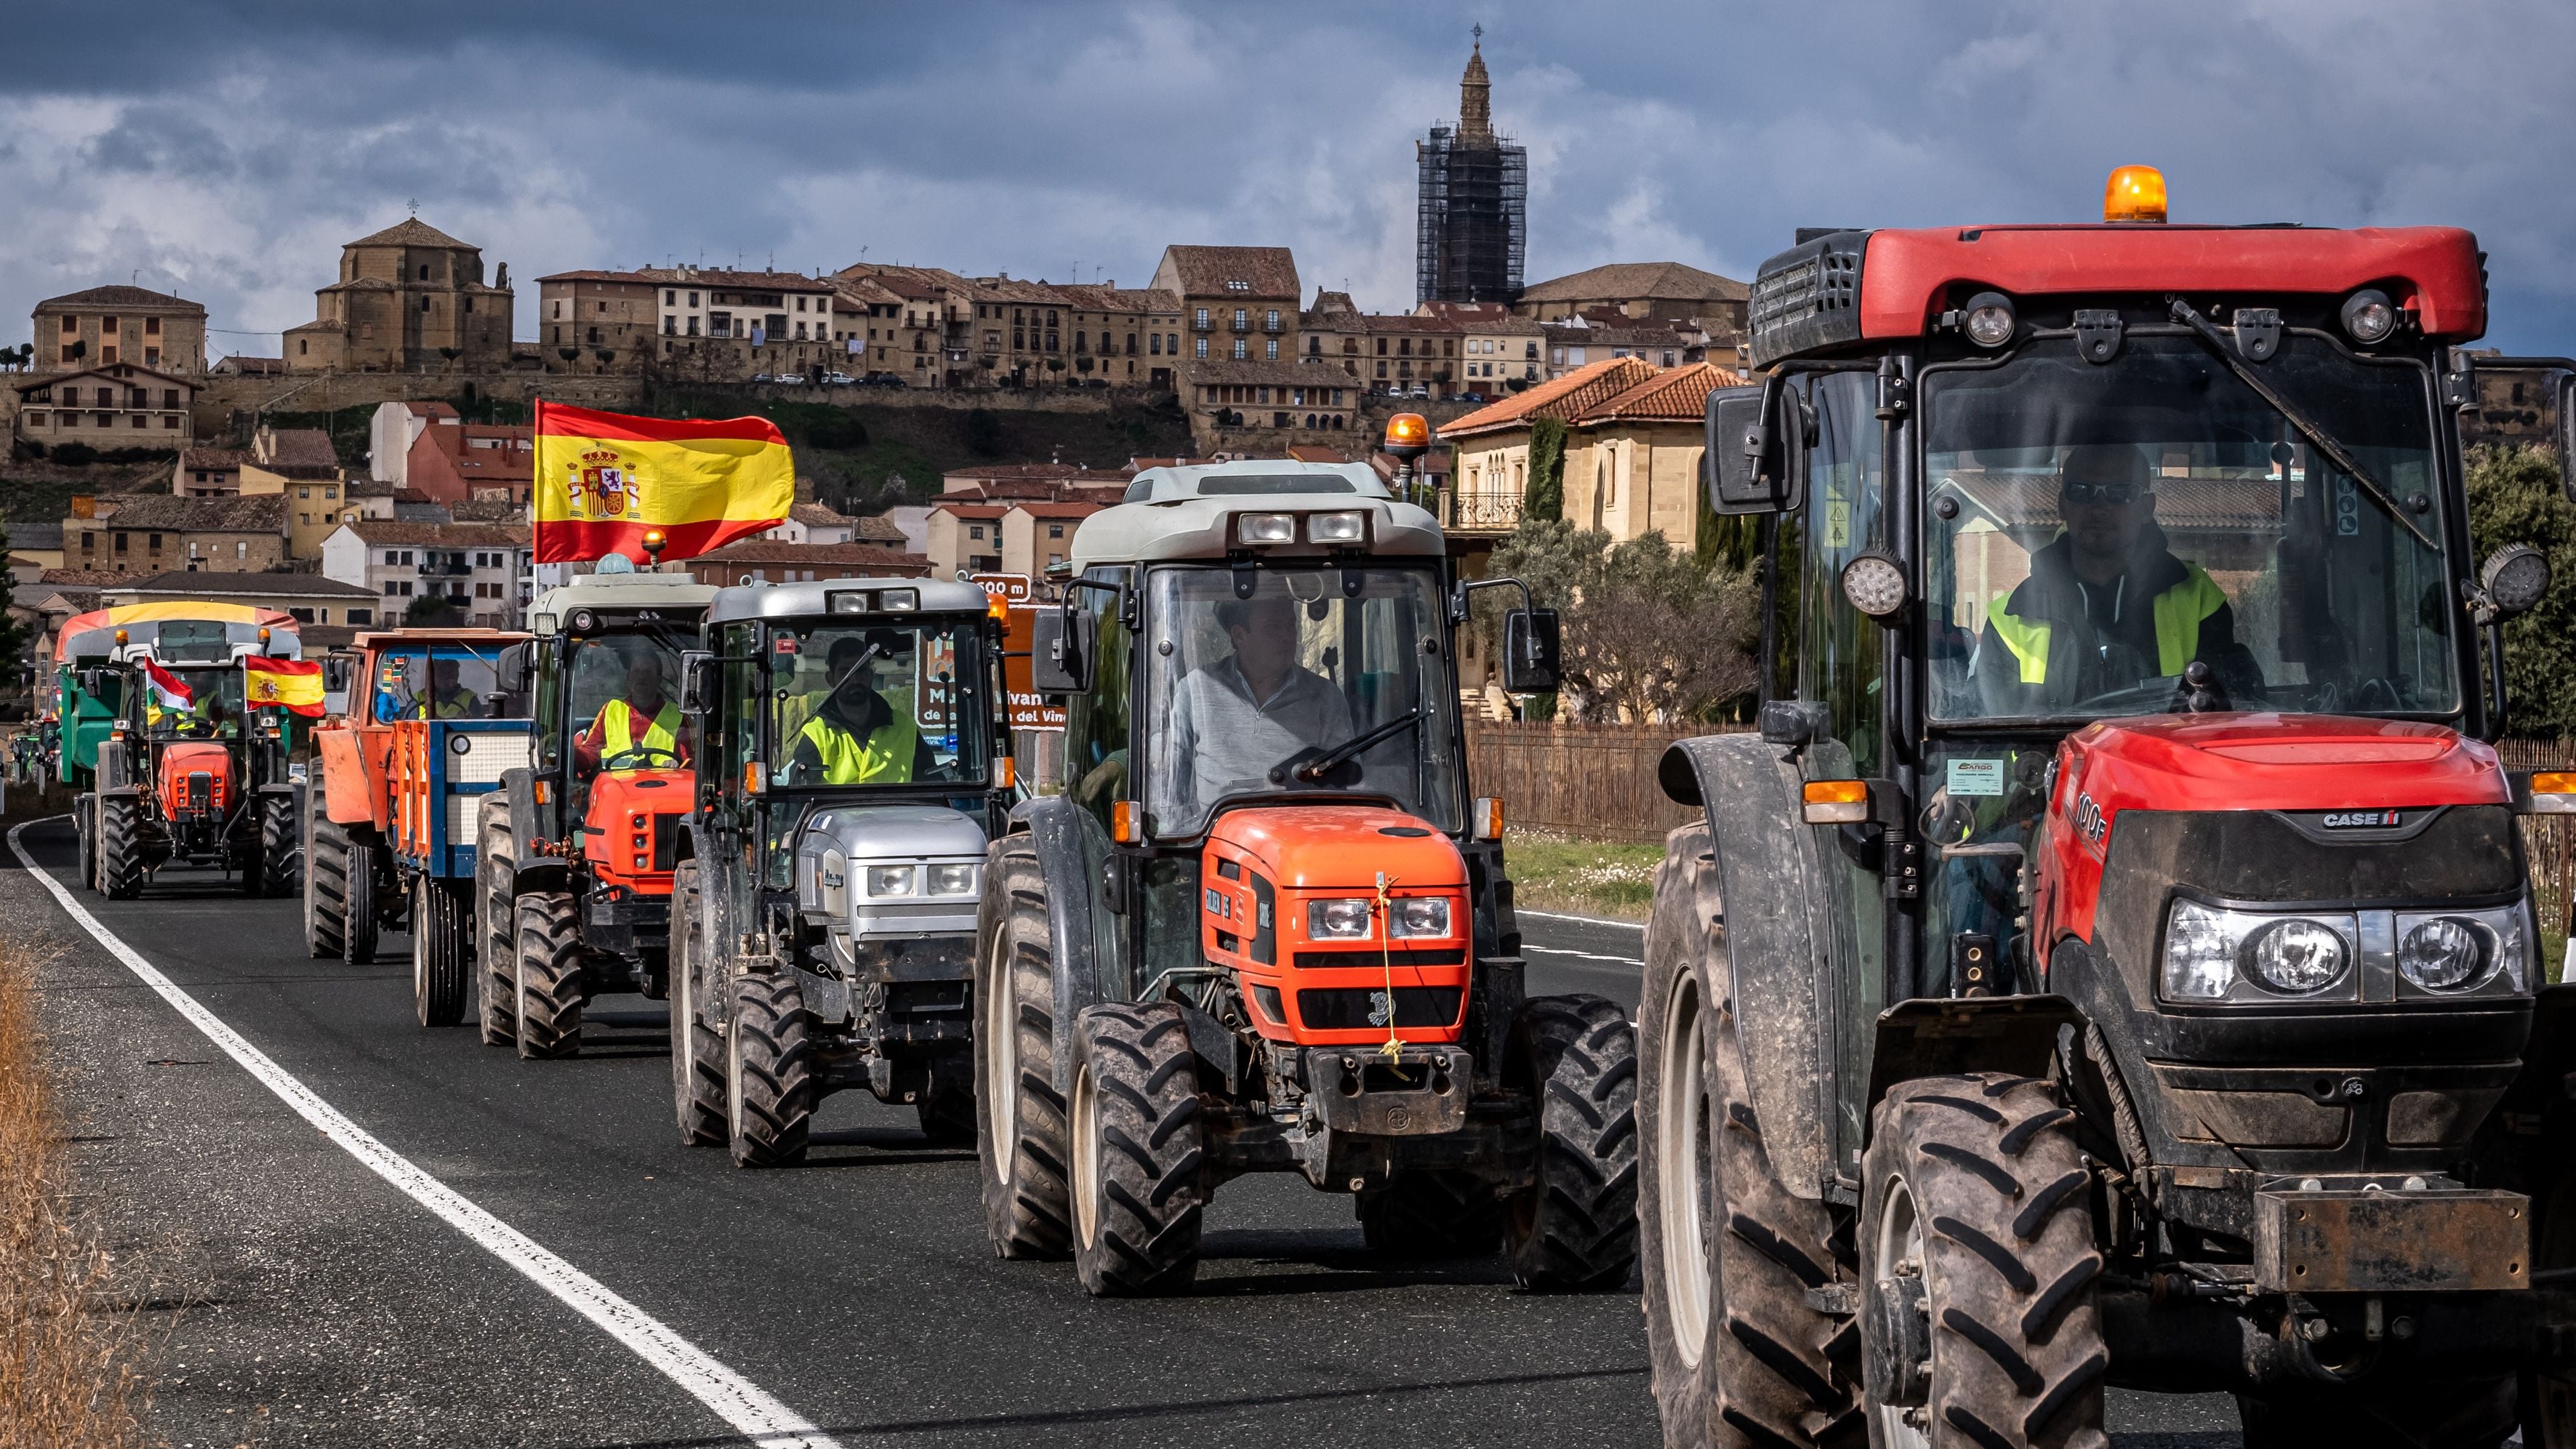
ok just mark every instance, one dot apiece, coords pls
pixel 1084 937
pixel 1771 883
pixel 518 794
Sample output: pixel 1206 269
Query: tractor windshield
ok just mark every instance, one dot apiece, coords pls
pixel 447 682
pixel 1323 678
pixel 2095 529
pixel 873 703
pixel 623 707
pixel 213 709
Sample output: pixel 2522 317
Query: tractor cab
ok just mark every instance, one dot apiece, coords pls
pixel 2124 816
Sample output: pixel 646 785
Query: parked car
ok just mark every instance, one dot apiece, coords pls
pixel 883 379
pixel 792 379
pixel 762 377
pixel 838 379
pixel 1419 391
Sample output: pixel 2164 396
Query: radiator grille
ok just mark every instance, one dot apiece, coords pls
pixel 1359 1008
pixel 489 755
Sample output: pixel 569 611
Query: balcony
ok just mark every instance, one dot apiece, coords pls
pixel 1480 512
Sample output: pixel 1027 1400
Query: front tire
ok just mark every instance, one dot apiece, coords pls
pixel 1737 1356
pixel 546 984
pixel 769 1082
pixel 358 906
pixel 1977 1245
pixel 1136 1157
pixel 120 847
pixel 326 880
pixel 278 873
pixel 440 957
pixel 1020 1141
pixel 697 1050
pixel 1575 1229
pixel 496 975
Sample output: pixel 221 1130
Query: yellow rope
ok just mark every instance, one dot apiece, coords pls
pixel 1385 952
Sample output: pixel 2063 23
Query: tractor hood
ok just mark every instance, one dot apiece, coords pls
pixel 187 758
pixel 1340 847
pixel 2274 762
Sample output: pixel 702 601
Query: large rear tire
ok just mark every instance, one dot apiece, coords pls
pixel 1977 1270
pixel 1136 1157
pixel 441 961
pixel 1575 1229
pixel 769 1065
pixel 277 846
pixel 496 926
pixel 326 879
pixel 546 979
pixel 358 905
pixel 1020 1141
pixel 1737 1355
pixel 120 847
pixel 697 1049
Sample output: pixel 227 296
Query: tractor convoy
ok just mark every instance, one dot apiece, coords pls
pixel 2111 962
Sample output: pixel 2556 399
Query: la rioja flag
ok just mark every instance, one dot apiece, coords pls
pixel 604 480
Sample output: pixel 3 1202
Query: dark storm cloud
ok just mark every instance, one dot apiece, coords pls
pixel 227 149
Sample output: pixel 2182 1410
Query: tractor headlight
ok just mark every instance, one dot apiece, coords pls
pixel 1338 920
pixel 2298 957
pixel 2443 954
pixel 1265 528
pixel 889 880
pixel 1416 916
pixel 952 880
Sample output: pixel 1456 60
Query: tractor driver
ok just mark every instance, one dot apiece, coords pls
pixel 2107 606
pixel 856 737
pixel 1235 718
pixel 448 698
pixel 614 734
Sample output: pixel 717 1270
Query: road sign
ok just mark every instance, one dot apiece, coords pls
pixel 1029 709
pixel 1014 587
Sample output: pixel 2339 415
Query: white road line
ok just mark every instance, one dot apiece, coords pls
pixel 1527 948
pixel 735 1399
pixel 1587 920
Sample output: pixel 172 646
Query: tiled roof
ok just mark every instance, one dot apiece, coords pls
pixel 1660 281
pixel 876 529
pixel 121 372
pixel 1025 472
pixel 1267 272
pixel 431 409
pixel 1138 300
pixel 378 532
pixel 81 577
pixel 215 585
pixel 1058 510
pixel 1316 453
pixel 978 511
pixel 27 533
pixel 302 448
pixel 1564 398
pixel 128 299
pixel 1258 374
pixel 485 510
pixel 816 515
pixel 213 458
pixel 1406 322
pixel 248 366
pixel 1678 395
pixel 412 232
pixel 255 513
pixel 1464 312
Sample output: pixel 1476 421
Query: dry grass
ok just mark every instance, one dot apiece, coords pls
pixel 67 1374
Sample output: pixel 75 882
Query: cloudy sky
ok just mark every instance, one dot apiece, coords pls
pixel 225 149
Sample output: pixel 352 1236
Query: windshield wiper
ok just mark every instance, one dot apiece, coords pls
pixel 2318 438
pixel 1314 769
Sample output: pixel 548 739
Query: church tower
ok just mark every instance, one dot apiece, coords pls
pixel 1472 226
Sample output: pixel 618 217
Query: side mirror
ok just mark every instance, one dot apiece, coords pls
pixel 1531 651
pixel 515 671
pixel 698 686
pixel 335 673
pixel 1752 457
pixel 1792 721
pixel 1061 647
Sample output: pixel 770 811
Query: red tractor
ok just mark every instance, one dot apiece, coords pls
pixel 2113 961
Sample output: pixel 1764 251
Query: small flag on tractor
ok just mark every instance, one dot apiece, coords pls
pixel 294 685
pixel 603 480
pixel 166 686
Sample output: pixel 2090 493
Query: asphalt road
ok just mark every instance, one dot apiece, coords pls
pixel 542 1264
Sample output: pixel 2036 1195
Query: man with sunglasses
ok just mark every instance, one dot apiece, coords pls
pixel 2107 606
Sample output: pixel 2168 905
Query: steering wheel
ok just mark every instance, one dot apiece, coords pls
pixel 642 757
pixel 2378 687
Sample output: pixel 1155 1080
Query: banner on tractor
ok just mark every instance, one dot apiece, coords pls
pixel 605 479
pixel 293 685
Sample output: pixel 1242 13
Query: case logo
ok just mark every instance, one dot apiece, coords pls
pixel 2363 819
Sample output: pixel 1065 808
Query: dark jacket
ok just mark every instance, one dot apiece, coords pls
pixel 2055 643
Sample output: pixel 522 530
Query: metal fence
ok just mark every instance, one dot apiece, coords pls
pixel 1598 782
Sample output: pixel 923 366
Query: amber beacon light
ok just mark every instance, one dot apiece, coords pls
pixel 2134 193
pixel 1408 435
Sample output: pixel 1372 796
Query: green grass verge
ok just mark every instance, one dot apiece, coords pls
pixel 1554 872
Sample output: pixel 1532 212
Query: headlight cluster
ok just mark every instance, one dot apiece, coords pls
pixel 1347 918
pixel 2215 954
pixel 898 881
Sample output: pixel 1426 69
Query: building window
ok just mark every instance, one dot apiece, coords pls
pixel 1240 350
pixel 1198 319
pixel 1270 320
pixel 359 616
pixel 1202 349
pixel 1270 350
pixel 1055 530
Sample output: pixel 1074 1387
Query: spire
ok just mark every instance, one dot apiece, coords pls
pixel 1475 106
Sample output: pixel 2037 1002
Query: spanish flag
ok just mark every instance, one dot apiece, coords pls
pixel 295 685
pixel 604 479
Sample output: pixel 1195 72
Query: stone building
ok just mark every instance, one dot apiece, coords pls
pixel 409 298
pixel 112 405
pixel 1237 304
pixel 1642 291
pixel 106 325
pixel 1634 437
pixel 150 533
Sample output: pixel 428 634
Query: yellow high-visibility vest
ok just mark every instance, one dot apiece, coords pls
pixel 884 758
pixel 2179 612
pixel 617 730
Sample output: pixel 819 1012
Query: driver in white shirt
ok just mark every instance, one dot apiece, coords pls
pixel 1234 719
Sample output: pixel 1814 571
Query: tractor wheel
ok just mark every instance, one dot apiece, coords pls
pixel 1575 1229
pixel 1136 1159
pixel 947 1106
pixel 440 959
pixel 1977 1268
pixel 546 984
pixel 1737 1356
pixel 769 1066
pixel 1425 1215
pixel 697 1050
pixel 277 846
pixel 496 972
pixel 85 829
pixel 120 847
pixel 326 880
pixel 358 905
pixel 1021 1142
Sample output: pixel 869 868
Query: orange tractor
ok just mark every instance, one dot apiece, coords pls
pixel 355 884
pixel 1264 927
